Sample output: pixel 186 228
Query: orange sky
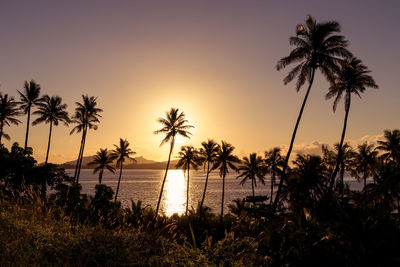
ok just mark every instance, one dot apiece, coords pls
pixel 214 61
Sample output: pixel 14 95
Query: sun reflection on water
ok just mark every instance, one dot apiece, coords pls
pixel 175 193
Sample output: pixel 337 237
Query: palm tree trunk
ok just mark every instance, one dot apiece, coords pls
pixel 1 131
pixel 165 176
pixel 79 156
pixel 187 189
pixel 340 152
pixel 223 195
pixel 272 187
pixel 342 180
pixel 101 175
pixel 119 180
pixel 27 127
pixel 80 162
pixel 205 186
pixel 252 189
pixel 48 144
pixel 283 176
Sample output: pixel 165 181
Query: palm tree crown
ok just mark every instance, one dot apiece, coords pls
pixel 188 157
pixel 174 124
pixel 390 146
pixel 51 110
pixel 102 160
pixel 8 111
pixel 274 163
pixel 316 47
pixel 29 98
pixel 121 153
pixel 252 168
pixel 208 153
pixel 364 161
pixel 225 160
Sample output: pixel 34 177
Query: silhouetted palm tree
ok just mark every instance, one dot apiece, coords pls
pixel 208 153
pixel 316 48
pixel 29 98
pixel 305 185
pixel 120 153
pixel 51 110
pixel 365 160
pixel 274 162
pixel 252 168
pixel 188 157
pixel 390 146
pixel 102 160
pixel 174 124
pixel 8 112
pixel 225 160
pixel 353 78
pixel 346 163
pixel 86 115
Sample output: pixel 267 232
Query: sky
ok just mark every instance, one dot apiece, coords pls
pixel 214 60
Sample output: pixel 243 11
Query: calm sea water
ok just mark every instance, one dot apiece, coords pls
pixel 145 185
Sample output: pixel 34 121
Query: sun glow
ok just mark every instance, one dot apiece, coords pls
pixel 175 195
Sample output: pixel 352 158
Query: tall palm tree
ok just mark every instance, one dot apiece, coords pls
pixel 274 162
pixel 102 160
pixel 86 116
pixel 29 98
pixel 120 153
pixel 390 146
pixel 365 160
pixel 51 110
pixel 208 153
pixel 316 48
pixel 225 160
pixel 252 168
pixel 8 112
pixel 352 78
pixel 188 157
pixel 174 124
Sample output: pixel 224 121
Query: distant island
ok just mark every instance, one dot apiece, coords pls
pixel 141 163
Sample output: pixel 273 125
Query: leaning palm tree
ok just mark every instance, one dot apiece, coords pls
pixel 8 111
pixel 274 162
pixel 353 78
pixel 120 153
pixel 86 116
pixel 29 98
pixel 390 146
pixel 102 160
pixel 51 110
pixel 208 153
pixel 252 168
pixel 365 161
pixel 316 48
pixel 174 124
pixel 225 160
pixel 188 157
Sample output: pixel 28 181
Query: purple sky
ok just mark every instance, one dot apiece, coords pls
pixel 215 60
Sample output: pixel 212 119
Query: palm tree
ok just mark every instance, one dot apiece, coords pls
pixel 174 124
pixel 29 98
pixel 352 78
pixel 102 160
pixel 51 110
pixel 208 153
pixel 8 112
pixel 188 156
pixel 86 115
pixel 346 163
pixel 120 153
pixel 390 146
pixel 273 161
pixel 225 160
pixel 251 168
pixel 364 162
pixel 316 48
